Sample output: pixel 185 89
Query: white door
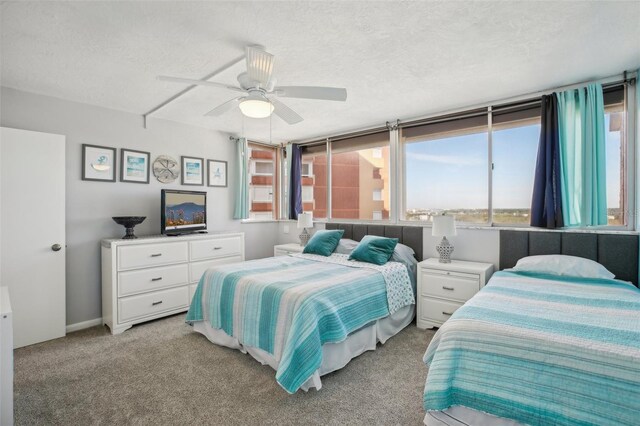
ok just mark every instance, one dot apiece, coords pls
pixel 32 232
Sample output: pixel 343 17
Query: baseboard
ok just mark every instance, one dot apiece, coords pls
pixel 84 324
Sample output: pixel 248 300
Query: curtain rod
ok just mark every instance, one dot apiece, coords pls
pixel 270 145
pixel 517 101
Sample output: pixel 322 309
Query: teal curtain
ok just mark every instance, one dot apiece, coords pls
pixel 582 156
pixel 241 210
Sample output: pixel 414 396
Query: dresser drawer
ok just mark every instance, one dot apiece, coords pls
pixel 142 305
pixel 198 268
pixel 219 247
pixel 146 255
pixel 142 280
pixel 436 310
pixel 456 286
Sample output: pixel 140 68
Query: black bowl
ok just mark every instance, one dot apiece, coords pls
pixel 129 222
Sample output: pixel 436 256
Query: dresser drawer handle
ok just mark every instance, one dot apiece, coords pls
pixel 156 303
pixel 444 287
pixel 448 273
pixel 156 254
pixel 217 248
pixel 447 313
pixel 156 279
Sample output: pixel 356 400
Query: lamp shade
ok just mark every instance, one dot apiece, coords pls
pixel 443 226
pixel 256 107
pixel 305 220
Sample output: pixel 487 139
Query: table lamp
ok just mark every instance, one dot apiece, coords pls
pixel 305 220
pixel 444 226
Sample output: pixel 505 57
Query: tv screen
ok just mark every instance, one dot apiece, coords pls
pixel 183 211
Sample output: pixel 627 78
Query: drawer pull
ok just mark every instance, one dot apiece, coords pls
pixel 447 313
pixel 156 303
pixel 156 254
pixel 444 287
pixel 156 279
pixel 217 248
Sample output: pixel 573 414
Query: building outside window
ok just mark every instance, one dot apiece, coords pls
pixel 360 166
pixel 262 182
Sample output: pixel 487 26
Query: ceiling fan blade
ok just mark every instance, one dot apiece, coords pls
pixel 284 112
pixel 221 109
pixel 312 92
pixel 198 82
pixel 259 64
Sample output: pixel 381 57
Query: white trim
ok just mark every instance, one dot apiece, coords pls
pixel 84 324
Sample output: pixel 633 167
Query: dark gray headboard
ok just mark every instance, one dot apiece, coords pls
pixel 616 252
pixel 408 235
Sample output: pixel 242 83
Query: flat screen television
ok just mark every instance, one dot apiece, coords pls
pixel 183 211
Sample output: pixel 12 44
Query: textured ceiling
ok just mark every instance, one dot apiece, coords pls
pixel 397 60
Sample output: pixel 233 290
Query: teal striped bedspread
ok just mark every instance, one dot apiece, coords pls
pixel 541 350
pixel 289 306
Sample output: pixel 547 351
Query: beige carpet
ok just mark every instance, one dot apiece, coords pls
pixel 163 373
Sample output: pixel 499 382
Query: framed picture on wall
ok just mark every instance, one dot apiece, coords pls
pixel 134 166
pixel 192 171
pixel 217 173
pixel 98 163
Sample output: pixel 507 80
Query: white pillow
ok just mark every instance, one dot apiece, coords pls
pixel 560 264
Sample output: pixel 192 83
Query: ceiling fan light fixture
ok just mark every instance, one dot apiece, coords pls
pixel 256 107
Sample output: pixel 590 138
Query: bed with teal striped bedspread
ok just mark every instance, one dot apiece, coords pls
pixel 289 306
pixel 541 350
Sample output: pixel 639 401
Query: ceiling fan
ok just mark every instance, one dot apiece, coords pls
pixel 260 91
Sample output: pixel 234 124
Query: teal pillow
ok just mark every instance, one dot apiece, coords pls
pixel 324 242
pixel 377 250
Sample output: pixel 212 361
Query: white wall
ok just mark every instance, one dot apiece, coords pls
pixel 90 205
pixel 479 245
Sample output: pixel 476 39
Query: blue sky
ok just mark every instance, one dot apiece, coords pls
pixel 461 162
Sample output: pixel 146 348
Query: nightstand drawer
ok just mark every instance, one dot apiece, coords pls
pixel 437 310
pixel 456 286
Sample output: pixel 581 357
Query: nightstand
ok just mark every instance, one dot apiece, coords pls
pixel 444 287
pixel 285 249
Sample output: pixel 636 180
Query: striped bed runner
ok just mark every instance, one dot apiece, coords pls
pixel 542 350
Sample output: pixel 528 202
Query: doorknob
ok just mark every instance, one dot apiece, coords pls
pixel 56 247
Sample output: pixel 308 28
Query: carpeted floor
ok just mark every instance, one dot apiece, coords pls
pixel 164 373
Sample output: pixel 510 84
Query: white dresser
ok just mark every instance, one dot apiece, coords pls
pixel 444 287
pixel 285 249
pixel 152 277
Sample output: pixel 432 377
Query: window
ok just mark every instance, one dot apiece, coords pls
pixel 445 165
pixel 377 195
pixel 360 166
pixel 614 138
pixel 307 168
pixel 515 136
pixel 262 182
pixel 314 179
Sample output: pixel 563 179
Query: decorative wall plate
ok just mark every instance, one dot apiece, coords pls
pixel 166 169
